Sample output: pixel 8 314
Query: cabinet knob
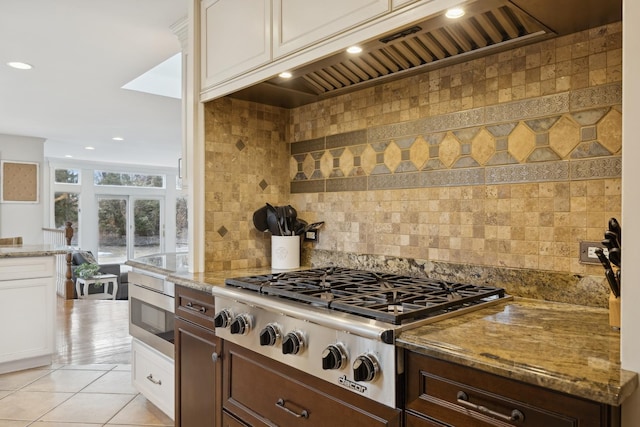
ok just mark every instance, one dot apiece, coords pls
pixel 215 357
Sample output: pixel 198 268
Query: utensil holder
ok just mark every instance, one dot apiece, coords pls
pixel 285 252
pixel 614 311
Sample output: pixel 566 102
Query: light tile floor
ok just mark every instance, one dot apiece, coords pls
pixel 75 396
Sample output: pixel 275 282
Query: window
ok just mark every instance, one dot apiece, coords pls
pixel 128 179
pixel 67 176
pixel 182 225
pixel 66 209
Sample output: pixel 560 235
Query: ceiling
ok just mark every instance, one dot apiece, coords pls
pixel 82 53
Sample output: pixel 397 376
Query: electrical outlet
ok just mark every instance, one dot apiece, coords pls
pixel 311 236
pixel 588 252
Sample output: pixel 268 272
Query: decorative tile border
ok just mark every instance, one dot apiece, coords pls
pixel 535 172
pixel 528 109
pixel 608 167
pixel 596 97
pixel 533 140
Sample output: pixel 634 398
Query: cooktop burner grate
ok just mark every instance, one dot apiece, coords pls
pixel 386 297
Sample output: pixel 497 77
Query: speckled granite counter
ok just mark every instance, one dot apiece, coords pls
pixel 562 347
pixel 30 251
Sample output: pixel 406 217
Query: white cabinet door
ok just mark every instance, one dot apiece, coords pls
pixel 28 322
pixel 152 373
pixel 300 23
pixel 236 37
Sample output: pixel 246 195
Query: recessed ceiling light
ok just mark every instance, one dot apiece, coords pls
pixel 454 12
pixel 118 138
pixel 89 148
pixel 68 156
pixel 20 65
pixel 354 49
pixel 285 75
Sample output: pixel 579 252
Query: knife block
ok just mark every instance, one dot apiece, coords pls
pixel 614 311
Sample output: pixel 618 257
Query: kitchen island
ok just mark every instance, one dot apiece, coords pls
pixel 569 350
pixel 27 306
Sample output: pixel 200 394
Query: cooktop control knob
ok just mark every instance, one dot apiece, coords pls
pixel 223 319
pixel 365 368
pixel 334 357
pixel 292 343
pixel 241 325
pixel 269 334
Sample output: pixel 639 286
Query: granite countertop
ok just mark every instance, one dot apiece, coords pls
pixel 30 251
pixel 562 347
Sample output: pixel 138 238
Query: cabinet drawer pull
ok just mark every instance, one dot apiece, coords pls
pixel 303 414
pixel 156 382
pixel 194 307
pixel 463 399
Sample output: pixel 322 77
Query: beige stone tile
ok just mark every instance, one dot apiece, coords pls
pixel 27 405
pixel 97 367
pixel 65 381
pixel 122 368
pixel 141 412
pixel 17 380
pixel 112 382
pixel 88 408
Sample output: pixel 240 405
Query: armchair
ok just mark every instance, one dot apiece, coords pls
pixel 81 257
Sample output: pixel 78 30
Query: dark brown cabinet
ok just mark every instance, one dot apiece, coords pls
pixel 440 393
pixel 261 392
pixel 198 368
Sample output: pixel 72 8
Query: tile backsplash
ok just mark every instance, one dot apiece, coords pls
pixel 503 163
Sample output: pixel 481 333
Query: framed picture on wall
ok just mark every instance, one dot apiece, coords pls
pixel 20 182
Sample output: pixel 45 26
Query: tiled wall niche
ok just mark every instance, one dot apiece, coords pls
pixel 246 153
pixel 505 162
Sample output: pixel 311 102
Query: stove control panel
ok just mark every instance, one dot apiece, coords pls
pixel 293 343
pixel 361 364
pixel 270 335
pixel 334 356
pixel 241 325
pixel 223 319
pixel 365 368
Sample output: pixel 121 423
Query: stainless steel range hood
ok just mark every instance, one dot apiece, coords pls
pixel 487 27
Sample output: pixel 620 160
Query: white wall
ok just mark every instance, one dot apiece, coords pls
pixel 23 219
pixel 630 326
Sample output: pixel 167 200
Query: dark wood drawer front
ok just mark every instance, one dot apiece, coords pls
pixel 263 392
pixel 195 306
pixel 413 420
pixel 229 421
pixel 460 396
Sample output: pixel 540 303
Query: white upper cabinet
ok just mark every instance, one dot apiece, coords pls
pixel 300 23
pixel 236 37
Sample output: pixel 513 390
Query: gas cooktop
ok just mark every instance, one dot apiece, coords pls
pixel 390 298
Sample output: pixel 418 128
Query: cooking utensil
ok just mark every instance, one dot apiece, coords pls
pixel 608 272
pixel 613 238
pixel 260 219
pixel 615 256
pixel 299 225
pixel 282 219
pixel 614 226
pixel 273 220
pixel 292 216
